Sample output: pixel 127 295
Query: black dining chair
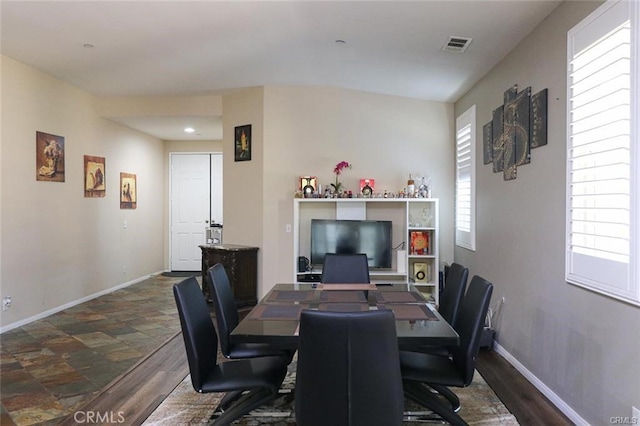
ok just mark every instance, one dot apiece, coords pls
pixel 345 268
pixel 450 299
pixel 249 383
pixel 423 372
pixel 348 372
pixel 454 288
pixel 227 319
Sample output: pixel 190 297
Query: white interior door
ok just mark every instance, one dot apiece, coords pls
pixel 191 202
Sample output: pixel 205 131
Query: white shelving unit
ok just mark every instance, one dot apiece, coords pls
pixel 417 217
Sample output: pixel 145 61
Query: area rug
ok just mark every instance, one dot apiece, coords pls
pixel 184 406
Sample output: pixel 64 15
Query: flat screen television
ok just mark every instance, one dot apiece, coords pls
pixel 372 237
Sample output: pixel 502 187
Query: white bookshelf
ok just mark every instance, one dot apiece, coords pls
pixel 408 216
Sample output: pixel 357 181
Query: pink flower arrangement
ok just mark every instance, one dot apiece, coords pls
pixel 337 170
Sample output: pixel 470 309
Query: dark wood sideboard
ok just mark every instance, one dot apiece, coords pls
pixel 241 265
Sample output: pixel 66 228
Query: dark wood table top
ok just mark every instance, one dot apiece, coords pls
pixel 275 319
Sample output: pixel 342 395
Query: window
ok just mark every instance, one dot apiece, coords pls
pixel 602 152
pixel 466 179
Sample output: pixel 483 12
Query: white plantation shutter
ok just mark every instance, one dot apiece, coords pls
pixel 602 152
pixel 465 179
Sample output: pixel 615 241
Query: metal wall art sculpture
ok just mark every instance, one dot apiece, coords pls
pixel 516 127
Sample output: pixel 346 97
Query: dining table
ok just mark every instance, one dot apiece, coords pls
pixel 275 319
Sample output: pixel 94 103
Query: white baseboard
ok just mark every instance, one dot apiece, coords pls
pixel 45 314
pixel 546 391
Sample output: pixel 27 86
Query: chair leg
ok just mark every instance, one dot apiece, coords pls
pixel 228 399
pixel 424 397
pixel 248 402
pixel 448 393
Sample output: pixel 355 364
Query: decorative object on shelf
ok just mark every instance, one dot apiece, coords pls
pixel 424 189
pixel 367 186
pixel 308 186
pixel 242 143
pixel 516 127
pixel 419 243
pixel 128 191
pixel 337 187
pixel 49 157
pixel 411 187
pixel 94 181
pixel 420 272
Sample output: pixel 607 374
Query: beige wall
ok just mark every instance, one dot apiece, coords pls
pixel 583 346
pixel 57 246
pixel 301 131
pixel 243 180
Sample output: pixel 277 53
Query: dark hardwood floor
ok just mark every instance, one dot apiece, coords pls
pixel 523 399
pixel 139 391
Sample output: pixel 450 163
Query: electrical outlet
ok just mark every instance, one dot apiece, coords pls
pixel 124 269
pixel 6 302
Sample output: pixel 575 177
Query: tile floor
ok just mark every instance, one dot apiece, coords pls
pixel 51 367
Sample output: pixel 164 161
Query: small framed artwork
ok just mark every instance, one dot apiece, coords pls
pixel 94 172
pixel 308 185
pixel 419 243
pixel 128 191
pixel 242 138
pixel 49 157
pixel 367 187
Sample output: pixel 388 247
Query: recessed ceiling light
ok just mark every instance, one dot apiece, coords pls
pixel 189 129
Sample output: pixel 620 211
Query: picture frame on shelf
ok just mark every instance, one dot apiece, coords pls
pixel 367 187
pixel 308 185
pixel 419 243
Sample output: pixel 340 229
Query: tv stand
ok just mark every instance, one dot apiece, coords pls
pixel 309 278
pixel 415 223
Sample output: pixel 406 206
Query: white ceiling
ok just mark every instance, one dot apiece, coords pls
pixel 152 48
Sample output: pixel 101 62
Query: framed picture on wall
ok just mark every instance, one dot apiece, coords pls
pixel 49 157
pixel 128 191
pixel 94 176
pixel 242 143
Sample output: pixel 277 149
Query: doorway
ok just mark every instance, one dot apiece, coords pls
pixel 195 203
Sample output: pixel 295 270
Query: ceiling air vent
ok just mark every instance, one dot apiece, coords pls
pixel 457 44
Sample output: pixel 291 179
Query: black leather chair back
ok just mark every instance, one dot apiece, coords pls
pixel 348 369
pixel 470 323
pixel 224 304
pixel 454 288
pixel 198 332
pixel 345 268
